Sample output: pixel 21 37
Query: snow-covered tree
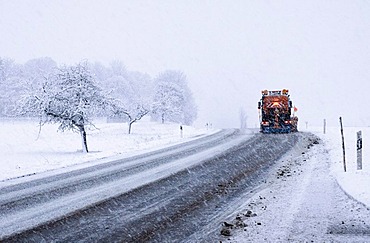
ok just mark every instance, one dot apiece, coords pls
pixel 7 67
pixel 12 85
pixel 100 73
pixel 10 94
pixel 167 103
pixel 69 98
pixel 173 100
pixel 17 80
pixel 118 68
pixel 132 97
pixel 138 98
pixel 36 70
pixel 133 113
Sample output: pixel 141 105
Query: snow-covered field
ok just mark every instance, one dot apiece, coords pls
pixel 23 150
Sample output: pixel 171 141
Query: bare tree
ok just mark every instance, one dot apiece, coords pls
pixel 133 114
pixel 131 97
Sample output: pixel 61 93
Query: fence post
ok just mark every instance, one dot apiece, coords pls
pixel 344 152
pixel 359 150
pixel 324 126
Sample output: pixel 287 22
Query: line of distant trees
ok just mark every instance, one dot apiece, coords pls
pixel 72 95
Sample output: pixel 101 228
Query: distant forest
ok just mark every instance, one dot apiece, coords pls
pixel 42 88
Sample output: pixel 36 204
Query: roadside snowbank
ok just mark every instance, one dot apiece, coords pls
pixel 356 183
pixel 24 151
pixel 301 200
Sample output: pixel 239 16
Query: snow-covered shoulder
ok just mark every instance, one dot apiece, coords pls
pixel 354 182
pixel 301 200
pixel 25 150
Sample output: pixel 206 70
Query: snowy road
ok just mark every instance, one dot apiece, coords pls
pixel 301 202
pixel 178 193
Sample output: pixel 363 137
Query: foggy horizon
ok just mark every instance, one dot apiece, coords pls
pixel 229 51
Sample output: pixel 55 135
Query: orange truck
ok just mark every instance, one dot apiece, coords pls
pixel 275 111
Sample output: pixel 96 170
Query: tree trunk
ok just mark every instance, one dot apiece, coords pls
pixel 129 127
pixel 162 118
pixel 83 138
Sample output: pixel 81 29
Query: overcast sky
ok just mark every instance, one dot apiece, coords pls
pixel 229 50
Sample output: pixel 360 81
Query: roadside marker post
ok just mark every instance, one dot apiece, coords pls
pixel 344 151
pixel 359 150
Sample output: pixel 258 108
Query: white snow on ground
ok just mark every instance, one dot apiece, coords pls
pixel 28 218
pixel 305 195
pixel 23 150
pixel 302 202
pixel 354 182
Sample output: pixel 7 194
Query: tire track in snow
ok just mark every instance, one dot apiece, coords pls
pixel 175 207
pixel 29 204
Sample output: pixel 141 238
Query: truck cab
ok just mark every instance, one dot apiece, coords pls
pixel 275 112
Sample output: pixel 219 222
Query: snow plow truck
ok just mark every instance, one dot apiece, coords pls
pixel 275 111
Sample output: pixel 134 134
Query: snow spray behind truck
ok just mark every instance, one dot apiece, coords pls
pixel 275 112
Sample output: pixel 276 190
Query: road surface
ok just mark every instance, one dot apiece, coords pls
pixel 175 194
